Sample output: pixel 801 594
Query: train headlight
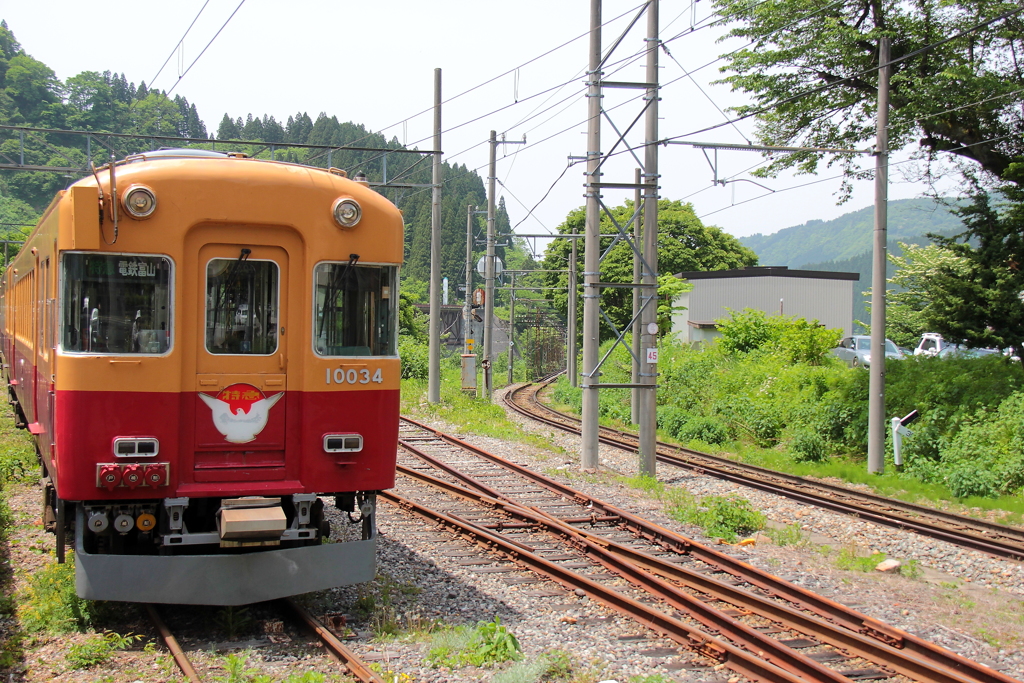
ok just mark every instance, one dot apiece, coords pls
pixel 347 212
pixel 139 201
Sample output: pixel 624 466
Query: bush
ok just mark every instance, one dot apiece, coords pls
pixel 706 429
pixel 415 359
pixel 807 342
pixel 986 457
pixel 808 446
pixel 965 481
pixel 671 419
pixel 749 330
pixel 98 649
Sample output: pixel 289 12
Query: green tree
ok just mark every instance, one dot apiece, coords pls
pixel 32 87
pixel 92 102
pixel 684 244
pixel 963 96
pixel 909 310
pixel 227 130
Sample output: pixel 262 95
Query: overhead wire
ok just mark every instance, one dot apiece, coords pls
pixel 177 46
pixel 827 86
pixel 636 56
pixel 841 175
pixel 688 74
pixel 205 48
pixel 962 33
pixel 925 116
pixel 505 73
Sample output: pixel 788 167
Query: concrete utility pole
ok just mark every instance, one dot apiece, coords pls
pixel 489 271
pixel 511 325
pixel 638 231
pixel 434 349
pixel 876 386
pixel 648 399
pixel 571 369
pixel 592 247
pixel 467 309
pixel 489 265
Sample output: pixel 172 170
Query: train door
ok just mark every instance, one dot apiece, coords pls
pixel 32 347
pixel 241 364
pixel 41 355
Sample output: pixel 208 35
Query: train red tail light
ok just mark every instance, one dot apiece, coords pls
pixel 132 476
pixel 156 475
pixel 110 476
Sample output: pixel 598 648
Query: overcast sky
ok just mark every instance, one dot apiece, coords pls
pixel 373 63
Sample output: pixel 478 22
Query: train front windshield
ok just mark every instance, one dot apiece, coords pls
pixel 116 303
pixel 355 310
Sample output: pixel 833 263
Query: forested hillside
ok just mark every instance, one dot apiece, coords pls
pixel 863 265
pixel 31 95
pixel 850 235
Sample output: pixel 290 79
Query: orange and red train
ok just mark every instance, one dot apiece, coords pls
pixel 204 348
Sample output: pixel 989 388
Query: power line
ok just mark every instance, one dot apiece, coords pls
pixel 541 200
pixel 827 86
pixel 841 175
pixel 506 73
pixel 205 48
pixel 178 45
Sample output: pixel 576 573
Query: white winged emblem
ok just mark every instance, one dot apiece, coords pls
pixel 240 411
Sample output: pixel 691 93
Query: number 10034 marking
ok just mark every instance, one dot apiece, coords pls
pixel 354 376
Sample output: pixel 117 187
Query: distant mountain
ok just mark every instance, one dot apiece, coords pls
pixel 863 264
pixel 850 235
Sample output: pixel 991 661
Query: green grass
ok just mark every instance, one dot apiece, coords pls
pixel 466 411
pixel 379 604
pixel 847 469
pixel 891 484
pixel 18 463
pixel 790 534
pixel 725 517
pixel 487 644
pixel 97 649
pixel 850 560
pixel 51 605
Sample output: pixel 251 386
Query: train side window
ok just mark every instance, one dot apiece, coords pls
pixel 355 309
pixel 241 306
pixel 115 303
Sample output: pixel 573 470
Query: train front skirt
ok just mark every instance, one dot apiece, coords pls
pixel 236 579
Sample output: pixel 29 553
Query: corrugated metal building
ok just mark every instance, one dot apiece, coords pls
pixel 812 294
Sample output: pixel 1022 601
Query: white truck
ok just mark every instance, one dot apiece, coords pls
pixel 932 344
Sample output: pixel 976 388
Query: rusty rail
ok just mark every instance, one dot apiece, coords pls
pixel 345 655
pixel 835 623
pixel 172 645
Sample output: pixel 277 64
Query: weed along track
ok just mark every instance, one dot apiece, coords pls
pixel 995 539
pixel 722 611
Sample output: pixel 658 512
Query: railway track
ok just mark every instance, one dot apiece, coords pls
pixel 726 612
pixel 352 664
pixel 994 539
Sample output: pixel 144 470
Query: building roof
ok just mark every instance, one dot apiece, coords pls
pixel 767 271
